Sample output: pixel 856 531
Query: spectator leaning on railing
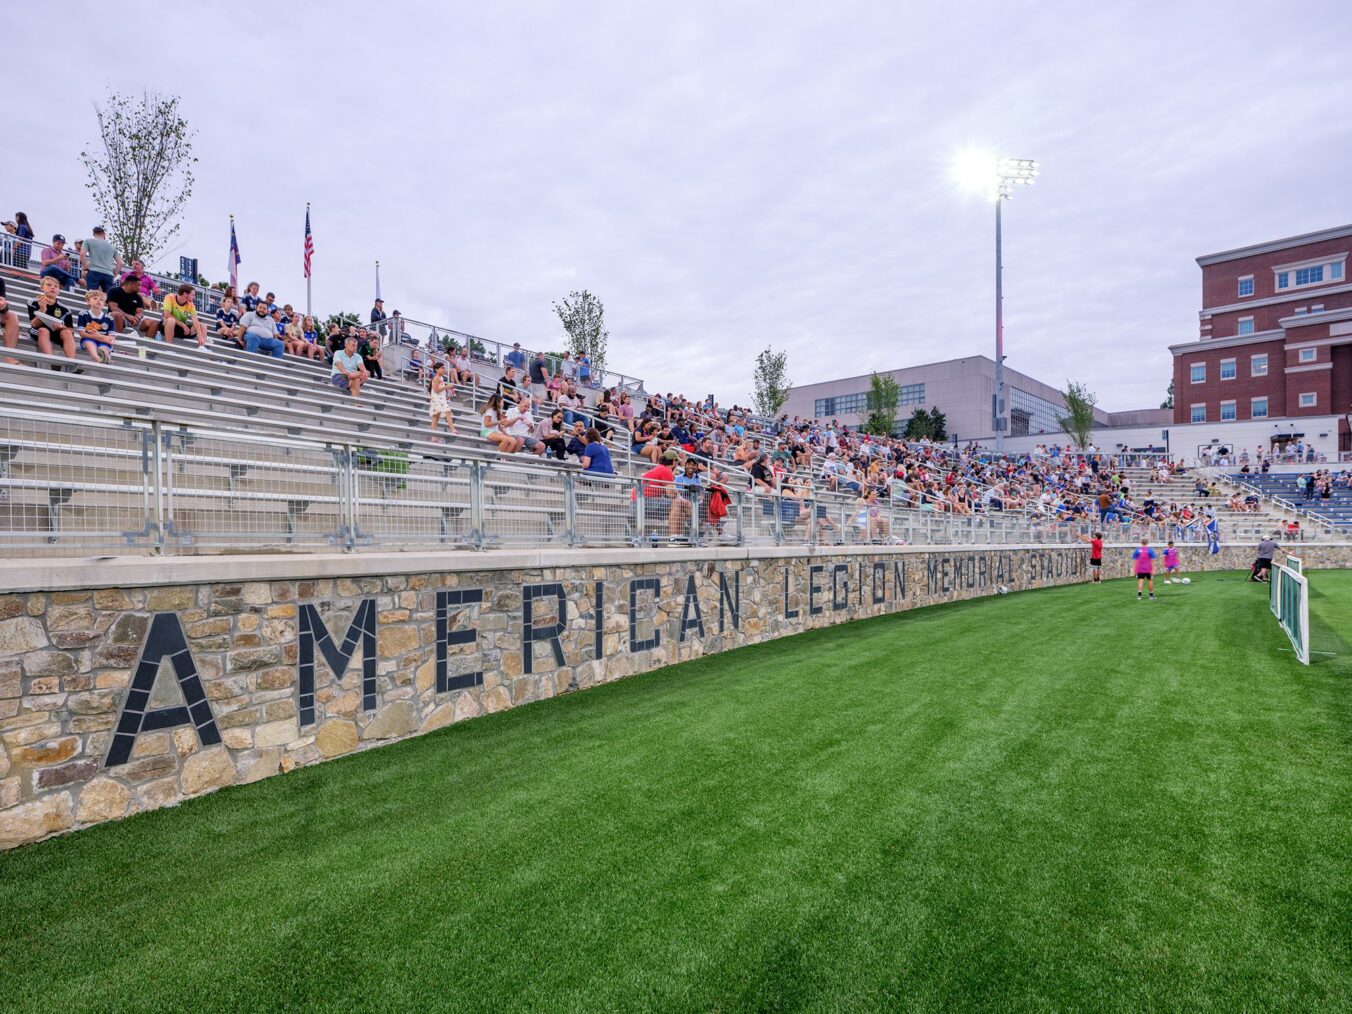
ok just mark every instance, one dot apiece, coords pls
pixel 100 261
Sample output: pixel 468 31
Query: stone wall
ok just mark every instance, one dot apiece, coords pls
pixel 139 683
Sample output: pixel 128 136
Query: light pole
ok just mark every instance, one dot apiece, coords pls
pixel 995 178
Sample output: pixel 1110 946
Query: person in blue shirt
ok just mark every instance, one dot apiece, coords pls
pixel 596 455
pixel 516 358
pixel 227 321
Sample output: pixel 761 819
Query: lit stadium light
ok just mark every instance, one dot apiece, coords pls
pixel 992 177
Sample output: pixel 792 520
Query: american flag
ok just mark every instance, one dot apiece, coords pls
pixel 234 256
pixel 309 243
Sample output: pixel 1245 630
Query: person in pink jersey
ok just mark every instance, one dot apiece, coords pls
pixel 1172 567
pixel 1144 557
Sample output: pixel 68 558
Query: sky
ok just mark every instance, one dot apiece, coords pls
pixel 730 176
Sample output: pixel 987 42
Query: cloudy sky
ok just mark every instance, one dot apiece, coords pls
pixel 727 176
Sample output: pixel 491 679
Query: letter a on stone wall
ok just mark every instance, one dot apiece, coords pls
pixel 532 631
pixel 164 640
pixel 314 632
pixel 691 618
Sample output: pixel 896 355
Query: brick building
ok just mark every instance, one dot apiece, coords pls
pixel 1275 336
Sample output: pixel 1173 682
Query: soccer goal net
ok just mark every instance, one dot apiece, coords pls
pixel 1289 598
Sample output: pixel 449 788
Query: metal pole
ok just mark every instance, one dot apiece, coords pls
pixel 999 337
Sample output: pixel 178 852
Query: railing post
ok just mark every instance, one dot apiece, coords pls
pixel 570 507
pixel 741 530
pixel 476 504
pixel 640 513
pixel 779 519
pixel 152 464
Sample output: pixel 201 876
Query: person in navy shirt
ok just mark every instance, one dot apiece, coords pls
pixel 95 327
pixel 250 298
pixel 227 321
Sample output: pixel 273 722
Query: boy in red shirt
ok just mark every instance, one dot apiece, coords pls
pixel 1095 555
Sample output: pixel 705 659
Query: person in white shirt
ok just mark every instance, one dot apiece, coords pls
pixel 521 424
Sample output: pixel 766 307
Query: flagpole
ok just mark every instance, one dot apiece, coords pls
pixel 234 269
pixel 377 279
pixel 309 271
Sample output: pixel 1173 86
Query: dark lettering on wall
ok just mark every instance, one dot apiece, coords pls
pixel 642 584
pixel 164 640
pixel 731 598
pixel 879 583
pixel 691 618
pixel 840 590
pixel 447 600
pixel 789 614
pixel 599 592
pixel 982 562
pixel 946 575
pixel 859 585
pixel 813 590
pixel 532 632
pixel 314 632
pixel 932 574
pixel 899 579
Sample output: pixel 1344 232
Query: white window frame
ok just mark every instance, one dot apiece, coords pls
pixel 1239 326
pixel 1308 355
pixel 1192 375
pixel 1234 411
pixel 1317 308
pixel 1253 407
pixel 1254 360
pixel 1192 412
pixel 1326 262
pixel 1313 399
pixel 1234 369
pixel 1239 286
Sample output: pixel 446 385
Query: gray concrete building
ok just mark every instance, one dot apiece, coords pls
pixel 963 389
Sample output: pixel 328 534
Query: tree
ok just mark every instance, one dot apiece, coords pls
pixel 584 321
pixel 1168 401
pixel 342 320
pixel 883 394
pixel 938 425
pixel 919 425
pixel 141 172
pixel 772 382
pixel 1078 421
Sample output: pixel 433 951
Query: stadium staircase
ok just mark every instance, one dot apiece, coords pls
pixel 1236 526
pixel 1281 489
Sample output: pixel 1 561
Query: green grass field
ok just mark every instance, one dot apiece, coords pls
pixel 1057 800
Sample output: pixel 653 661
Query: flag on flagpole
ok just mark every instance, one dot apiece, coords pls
pixel 309 242
pixel 377 279
pixel 234 256
pixel 1213 535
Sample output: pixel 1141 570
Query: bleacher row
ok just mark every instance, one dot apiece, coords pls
pixel 1282 489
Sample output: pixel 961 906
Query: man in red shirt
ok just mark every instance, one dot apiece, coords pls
pixel 658 489
pixel 1095 555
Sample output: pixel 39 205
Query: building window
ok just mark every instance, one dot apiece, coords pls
pixel 1228 413
pixel 1258 408
pixel 1198 413
pixel 1309 355
pixel 1283 279
pixel 1245 325
pixel 1228 371
pixel 1311 275
pixel 912 394
pixel 1298 276
pixel 1336 270
pixel 1198 373
pixel 1246 285
pixel 1030 415
pixel 1317 308
pixel 1258 365
pixel 1300 311
pixel 1309 399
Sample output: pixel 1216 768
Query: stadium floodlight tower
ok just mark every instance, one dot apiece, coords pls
pixel 995 177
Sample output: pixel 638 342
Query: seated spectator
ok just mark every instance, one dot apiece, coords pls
pixel 494 428
pixel 100 261
pixel 348 372
pixel 180 316
pixel 334 339
pixel 9 324
pixel 521 424
pixel 577 439
pixel 227 323
pixel 56 263
pixel 596 455
pixel 95 326
pixel 310 346
pixel 762 479
pixel 461 372
pixel 250 299
pixel 59 323
pixel 260 333
pixel 689 485
pixel 550 432
pixel 658 489
pixel 129 308
pixel 509 386
pixel 643 441
pixel 369 347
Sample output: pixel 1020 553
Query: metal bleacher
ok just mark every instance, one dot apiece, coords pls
pixel 1335 511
